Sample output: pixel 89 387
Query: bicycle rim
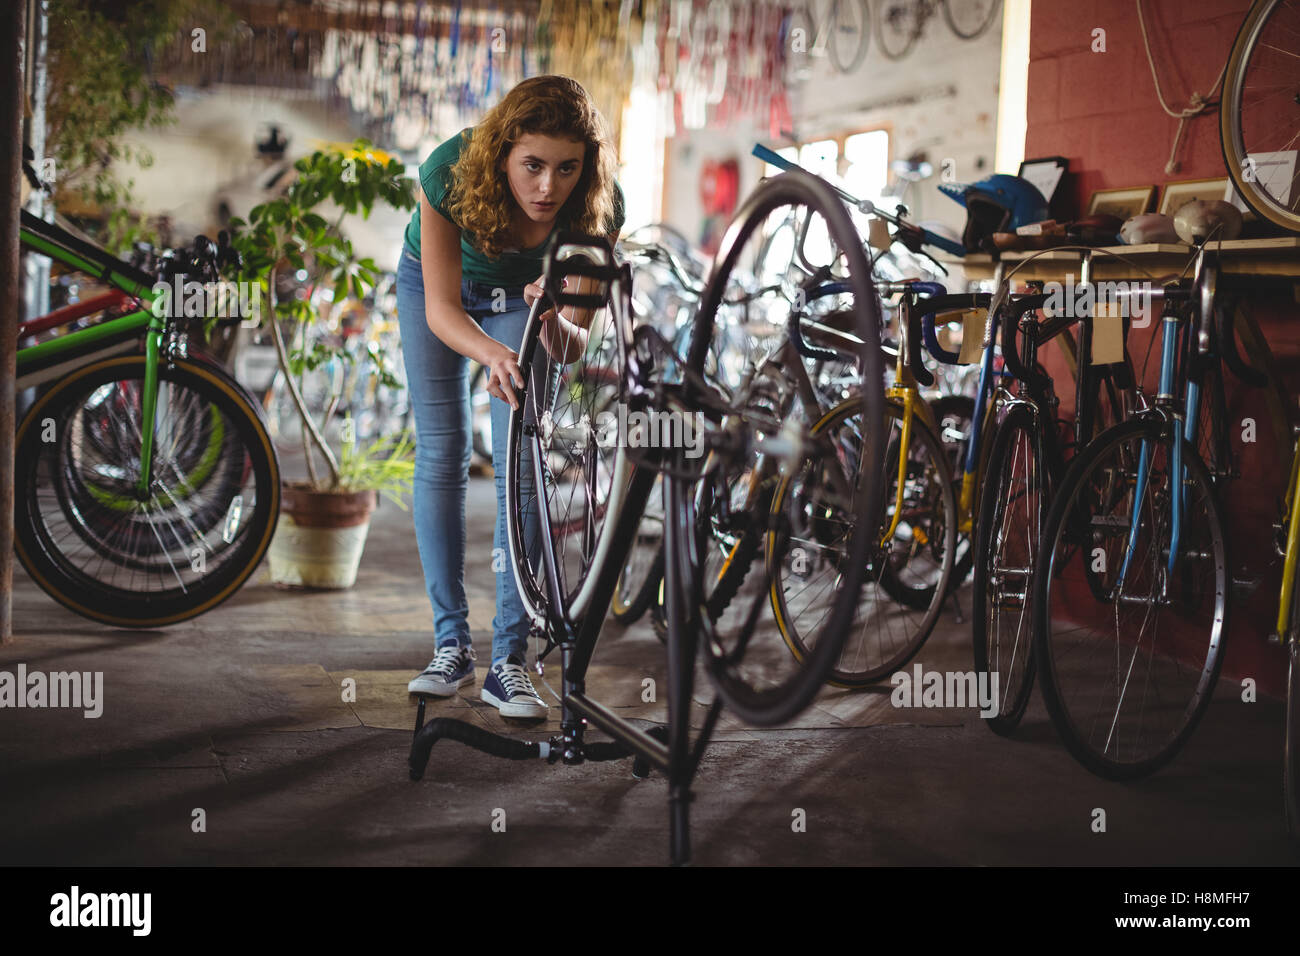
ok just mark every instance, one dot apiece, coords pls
pixel 95 545
pixel 1009 532
pixel 1128 667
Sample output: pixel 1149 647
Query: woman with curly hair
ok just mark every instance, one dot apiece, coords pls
pixel 490 198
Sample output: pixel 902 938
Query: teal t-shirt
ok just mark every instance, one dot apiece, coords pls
pixel 512 268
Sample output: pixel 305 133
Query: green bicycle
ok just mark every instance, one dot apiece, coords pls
pixel 146 488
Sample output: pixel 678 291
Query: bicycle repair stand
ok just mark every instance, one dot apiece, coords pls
pixel 669 748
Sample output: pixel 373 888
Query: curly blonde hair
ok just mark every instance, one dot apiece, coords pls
pixel 479 199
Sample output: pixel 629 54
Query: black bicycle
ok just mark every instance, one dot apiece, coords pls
pixel 577 492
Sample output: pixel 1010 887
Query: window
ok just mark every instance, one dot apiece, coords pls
pixel 857 161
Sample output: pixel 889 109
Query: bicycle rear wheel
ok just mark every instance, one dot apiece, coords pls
pixel 566 467
pixel 1128 648
pixel 103 550
pixel 763 688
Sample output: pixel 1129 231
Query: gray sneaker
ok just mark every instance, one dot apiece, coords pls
pixel 451 667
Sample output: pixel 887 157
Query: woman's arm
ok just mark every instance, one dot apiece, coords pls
pixel 440 263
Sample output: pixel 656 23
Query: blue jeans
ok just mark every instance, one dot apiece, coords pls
pixel 438 379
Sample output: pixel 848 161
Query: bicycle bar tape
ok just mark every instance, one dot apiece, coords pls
pixel 1016 310
pixel 577 264
pixel 947 303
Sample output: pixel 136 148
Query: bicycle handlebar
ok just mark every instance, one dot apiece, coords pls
pixel 865 206
pixel 657 251
pixel 1015 311
pixel 935 305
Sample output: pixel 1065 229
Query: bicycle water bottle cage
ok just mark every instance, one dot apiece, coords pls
pixel 576 254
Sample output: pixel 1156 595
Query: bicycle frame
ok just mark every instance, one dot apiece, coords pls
pixel 47 360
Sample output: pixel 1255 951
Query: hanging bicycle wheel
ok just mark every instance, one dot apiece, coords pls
pixel 898 27
pixel 1130 645
pixel 1013 507
pixel 101 547
pixel 970 19
pixel 1259 112
pixel 849 34
pixel 762 687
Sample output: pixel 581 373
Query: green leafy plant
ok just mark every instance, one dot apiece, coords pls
pixel 289 233
pixel 101 87
pixel 386 465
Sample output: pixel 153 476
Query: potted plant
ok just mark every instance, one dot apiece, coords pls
pixel 324 519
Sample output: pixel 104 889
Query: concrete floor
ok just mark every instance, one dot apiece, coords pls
pixel 239 713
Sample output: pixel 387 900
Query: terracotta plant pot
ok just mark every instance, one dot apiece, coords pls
pixel 320 537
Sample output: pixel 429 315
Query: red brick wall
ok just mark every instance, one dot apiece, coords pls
pixel 1100 111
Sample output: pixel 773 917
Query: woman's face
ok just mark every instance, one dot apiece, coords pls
pixel 542 171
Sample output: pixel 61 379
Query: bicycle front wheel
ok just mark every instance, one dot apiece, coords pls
pixel 1013 506
pixel 112 553
pixel 732 336
pixel 1129 642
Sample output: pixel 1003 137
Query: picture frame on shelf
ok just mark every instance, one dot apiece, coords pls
pixel 1049 176
pixel 1123 203
pixel 1044 174
pixel 1173 196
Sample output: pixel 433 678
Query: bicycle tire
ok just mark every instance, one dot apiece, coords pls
pixel 1232 136
pixel 1115 756
pixel 768 703
pixel 633 592
pixel 1018 428
pixel 970 33
pixel 1291 746
pixel 899 12
pixel 856 666
pixel 565 538
pixel 849 61
pixel 87 592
